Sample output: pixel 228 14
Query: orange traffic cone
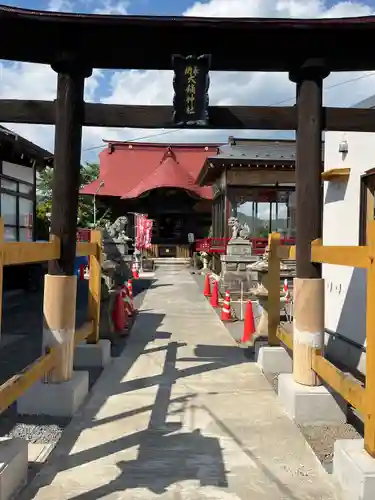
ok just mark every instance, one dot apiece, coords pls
pixel 128 301
pixel 215 295
pixel 135 271
pixel 207 286
pixel 130 288
pixel 249 324
pixel 225 312
pixel 118 315
pixel 125 307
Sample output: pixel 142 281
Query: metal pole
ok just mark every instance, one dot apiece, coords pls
pixel 94 208
pixel 270 218
pixel 94 201
pixel 241 301
pixel 277 214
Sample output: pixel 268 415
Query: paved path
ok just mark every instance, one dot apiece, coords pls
pixel 181 415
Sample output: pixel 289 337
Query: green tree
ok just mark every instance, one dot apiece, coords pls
pixel 89 172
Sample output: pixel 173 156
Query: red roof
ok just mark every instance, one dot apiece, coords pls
pixel 130 169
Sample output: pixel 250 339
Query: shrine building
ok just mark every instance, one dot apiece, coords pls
pixel 160 181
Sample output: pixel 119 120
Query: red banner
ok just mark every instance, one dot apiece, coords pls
pixel 143 227
pixel 139 230
pixel 148 233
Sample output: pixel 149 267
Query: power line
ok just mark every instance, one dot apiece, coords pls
pixel 345 82
pixel 137 138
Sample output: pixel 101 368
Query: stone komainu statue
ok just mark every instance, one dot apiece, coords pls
pixel 115 269
pixel 117 230
pixel 238 230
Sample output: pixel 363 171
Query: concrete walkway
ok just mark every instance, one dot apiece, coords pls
pixel 182 415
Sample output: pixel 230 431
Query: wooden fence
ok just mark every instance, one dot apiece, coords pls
pixel 360 397
pixel 12 253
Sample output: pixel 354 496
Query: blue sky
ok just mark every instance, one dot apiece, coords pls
pixel 144 7
pixel 27 81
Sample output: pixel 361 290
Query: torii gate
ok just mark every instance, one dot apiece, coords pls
pixel 74 44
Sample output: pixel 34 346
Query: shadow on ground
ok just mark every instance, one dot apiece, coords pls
pixel 164 457
pixel 20 345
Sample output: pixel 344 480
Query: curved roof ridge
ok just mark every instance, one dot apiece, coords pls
pixel 168 173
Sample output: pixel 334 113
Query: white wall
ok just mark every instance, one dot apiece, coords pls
pixel 19 172
pixel 345 309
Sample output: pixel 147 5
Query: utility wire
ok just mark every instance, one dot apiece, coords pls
pixel 345 82
pixel 138 138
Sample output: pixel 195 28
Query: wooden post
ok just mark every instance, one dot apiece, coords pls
pixel 1 271
pixel 95 286
pixel 273 285
pixel 309 164
pixel 308 322
pixel 308 328
pixel 60 284
pixel 369 417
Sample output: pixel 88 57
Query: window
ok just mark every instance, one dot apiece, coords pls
pixel 25 188
pixel 9 209
pixel 26 234
pixel 10 233
pixel 25 212
pixel 367 207
pixel 9 185
pixel 17 207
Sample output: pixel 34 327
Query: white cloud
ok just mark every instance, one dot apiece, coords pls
pixel 114 8
pixel 31 81
pixel 60 6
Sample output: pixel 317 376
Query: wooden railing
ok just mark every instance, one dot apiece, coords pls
pixel 12 253
pixel 219 245
pixel 360 397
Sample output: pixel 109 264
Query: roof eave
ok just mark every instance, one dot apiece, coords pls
pixel 213 166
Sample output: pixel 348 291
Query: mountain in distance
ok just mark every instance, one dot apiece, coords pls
pixel 261 225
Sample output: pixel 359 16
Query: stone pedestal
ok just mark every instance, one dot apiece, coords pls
pixel 234 266
pixel 354 469
pixel 55 400
pixel 13 467
pixel 310 405
pixel 92 355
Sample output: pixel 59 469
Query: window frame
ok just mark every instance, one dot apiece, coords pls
pixel 366 203
pixel 17 194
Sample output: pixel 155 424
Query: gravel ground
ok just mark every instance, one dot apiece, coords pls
pixel 21 344
pixel 320 438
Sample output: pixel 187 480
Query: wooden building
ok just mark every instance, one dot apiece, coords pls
pixel 348 207
pixel 20 160
pixel 254 181
pixel 159 180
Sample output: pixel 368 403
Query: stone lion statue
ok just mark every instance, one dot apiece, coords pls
pixel 117 230
pixel 239 230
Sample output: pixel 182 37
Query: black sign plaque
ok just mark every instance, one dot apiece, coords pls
pixel 191 82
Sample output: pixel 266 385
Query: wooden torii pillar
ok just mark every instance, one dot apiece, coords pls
pixel 308 332
pixel 61 283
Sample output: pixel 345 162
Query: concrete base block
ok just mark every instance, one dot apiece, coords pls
pixel 354 469
pixel 273 359
pixel 56 400
pixel 310 405
pixel 13 467
pixel 88 355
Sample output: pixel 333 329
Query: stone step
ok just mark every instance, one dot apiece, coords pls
pixel 171 261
